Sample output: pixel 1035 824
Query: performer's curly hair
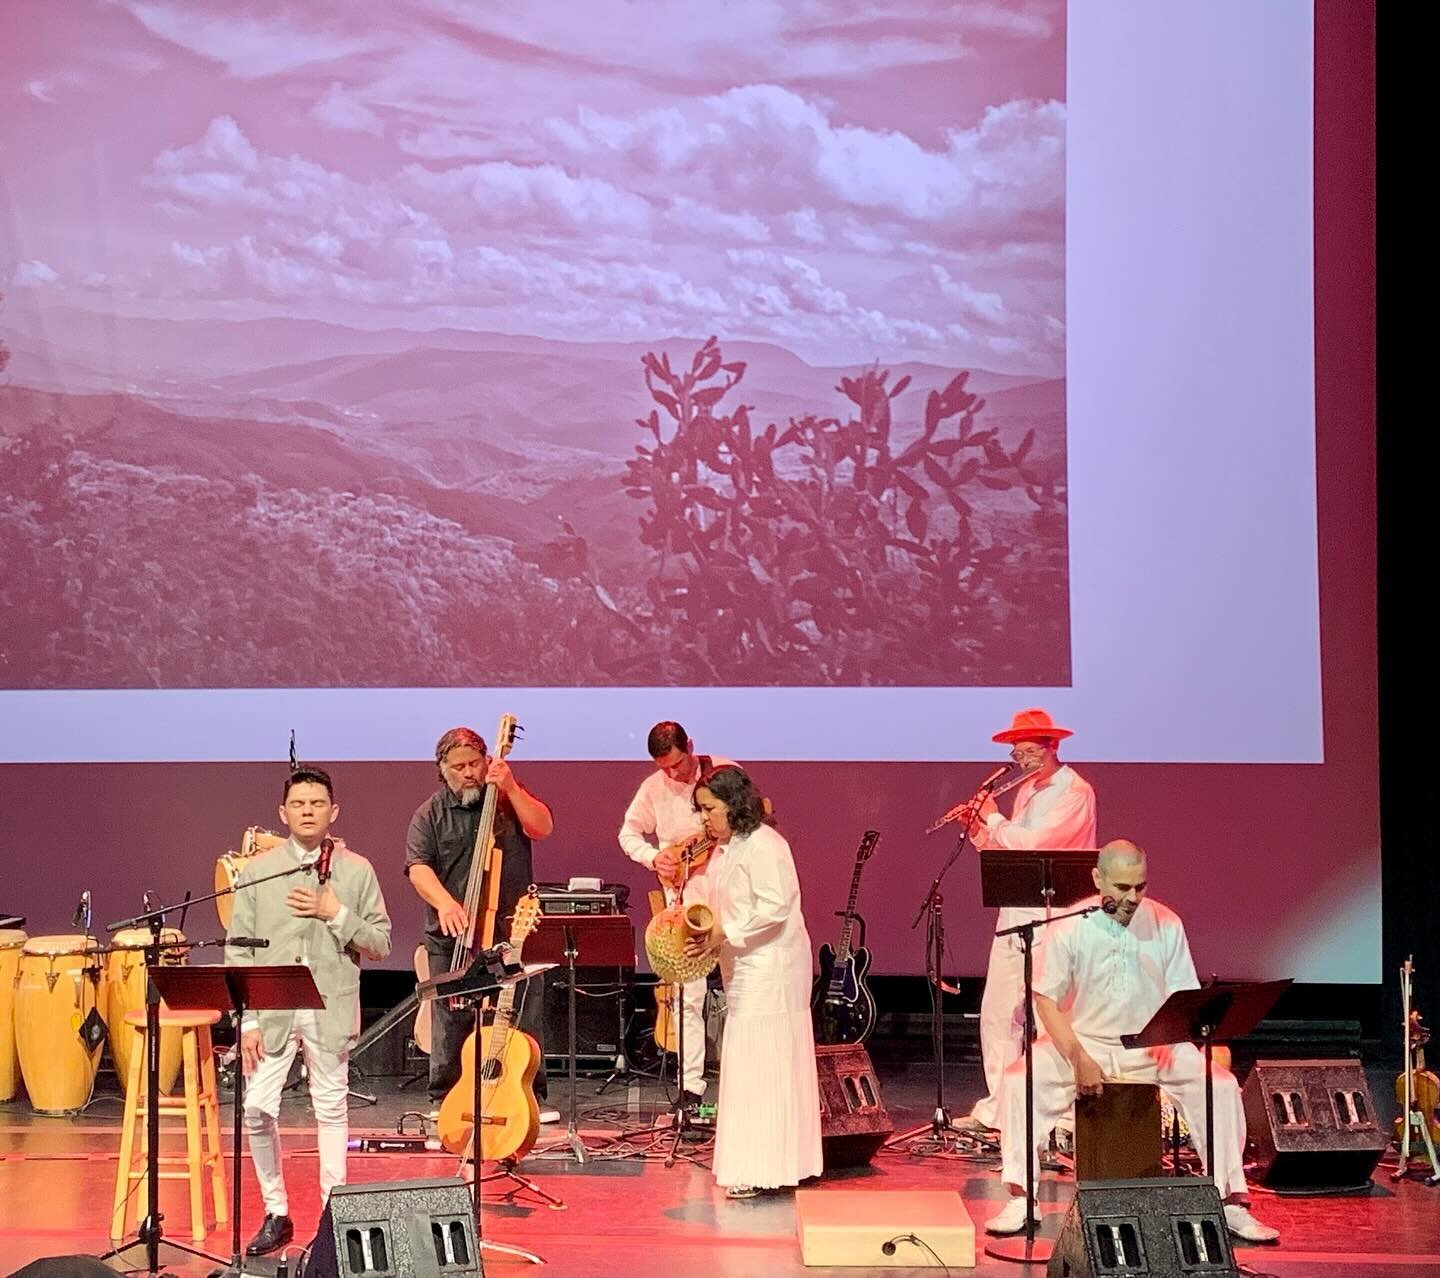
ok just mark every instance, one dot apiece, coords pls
pixel 745 808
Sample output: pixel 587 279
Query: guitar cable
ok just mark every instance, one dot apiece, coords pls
pixel 889 1248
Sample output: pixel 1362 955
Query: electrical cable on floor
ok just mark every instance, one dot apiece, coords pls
pixel 888 1248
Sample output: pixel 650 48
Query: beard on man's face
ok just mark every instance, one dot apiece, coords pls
pixel 471 796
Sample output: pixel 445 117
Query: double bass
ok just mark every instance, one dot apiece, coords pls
pixel 482 884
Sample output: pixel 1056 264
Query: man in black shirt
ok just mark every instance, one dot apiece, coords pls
pixel 439 847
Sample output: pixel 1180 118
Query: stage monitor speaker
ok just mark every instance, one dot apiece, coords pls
pixel 853 1120
pixel 1313 1124
pixel 1161 1228
pixel 65 1267
pixel 602 999
pixel 397 1229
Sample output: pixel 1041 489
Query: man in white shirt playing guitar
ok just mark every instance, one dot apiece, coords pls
pixel 661 816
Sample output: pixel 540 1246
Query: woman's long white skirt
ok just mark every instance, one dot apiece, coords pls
pixel 768 1125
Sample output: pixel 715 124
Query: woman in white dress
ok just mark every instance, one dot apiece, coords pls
pixel 768 1126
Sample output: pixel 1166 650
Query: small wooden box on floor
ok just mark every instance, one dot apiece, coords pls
pixel 852 1226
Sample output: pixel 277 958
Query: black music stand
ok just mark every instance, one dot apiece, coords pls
pixel 1033 880
pixel 1044 879
pixel 244 987
pixel 1219 1011
pixel 487 974
pixel 608 941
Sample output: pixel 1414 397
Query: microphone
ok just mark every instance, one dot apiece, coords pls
pixel 246 943
pixel 81 917
pixel 996 775
pixel 1109 904
pixel 322 862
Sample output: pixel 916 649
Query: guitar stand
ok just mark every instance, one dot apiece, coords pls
pixel 505 1170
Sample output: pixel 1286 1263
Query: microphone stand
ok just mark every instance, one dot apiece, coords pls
pixel 150 1231
pixel 941 1127
pixel 1008 1248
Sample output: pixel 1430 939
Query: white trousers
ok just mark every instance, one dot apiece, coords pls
pixel 692 1003
pixel 692 1010
pixel 1002 1019
pixel 329 1076
pixel 1180 1072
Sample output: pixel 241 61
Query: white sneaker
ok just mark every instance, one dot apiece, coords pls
pixel 1010 1219
pixel 549 1115
pixel 1243 1225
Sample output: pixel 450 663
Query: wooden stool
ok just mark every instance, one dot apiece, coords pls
pixel 200 1099
pixel 1117 1134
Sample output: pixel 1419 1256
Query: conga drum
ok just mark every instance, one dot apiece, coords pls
pixel 124 991
pixel 228 867
pixel 10 944
pixel 58 987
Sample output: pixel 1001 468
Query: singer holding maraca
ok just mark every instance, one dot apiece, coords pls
pixel 328 915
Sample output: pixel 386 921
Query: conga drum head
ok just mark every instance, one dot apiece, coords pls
pixel 61 944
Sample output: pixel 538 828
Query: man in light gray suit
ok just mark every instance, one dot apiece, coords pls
pixel 328 917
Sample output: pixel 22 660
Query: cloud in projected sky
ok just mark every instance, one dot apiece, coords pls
pixel 852 181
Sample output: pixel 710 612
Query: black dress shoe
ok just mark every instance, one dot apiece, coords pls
pixel 272 1235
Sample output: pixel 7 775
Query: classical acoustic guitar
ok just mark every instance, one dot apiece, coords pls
pixel 508 1062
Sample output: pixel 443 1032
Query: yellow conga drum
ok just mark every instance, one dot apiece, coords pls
pixel 58 987
pixel 228 867
pixel 124 991
pixel 11 941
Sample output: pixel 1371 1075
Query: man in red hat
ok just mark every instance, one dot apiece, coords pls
pixel 1054 808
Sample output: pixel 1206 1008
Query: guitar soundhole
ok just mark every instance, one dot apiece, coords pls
pixel 490 1071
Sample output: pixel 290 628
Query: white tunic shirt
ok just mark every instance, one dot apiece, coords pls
pixel 1110 979
pixel 662 808
pixel 1058 814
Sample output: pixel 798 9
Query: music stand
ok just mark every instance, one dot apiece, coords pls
pixel 1033 880
pixel 245 987
pixel 1046 879
pixel 1220 1010
pixel 486 975
pixel 608 941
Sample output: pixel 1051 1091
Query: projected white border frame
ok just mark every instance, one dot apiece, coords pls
pixel 1193 545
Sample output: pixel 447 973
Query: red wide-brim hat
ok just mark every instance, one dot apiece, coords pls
pixel 1032 723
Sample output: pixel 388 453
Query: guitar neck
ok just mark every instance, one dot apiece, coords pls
pixel 866 844
pixel 503 1023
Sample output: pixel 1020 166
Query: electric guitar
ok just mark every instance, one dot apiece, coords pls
pixel 840 1002
pixel 509 1061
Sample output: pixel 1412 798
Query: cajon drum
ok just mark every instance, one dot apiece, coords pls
pixel 1117 1134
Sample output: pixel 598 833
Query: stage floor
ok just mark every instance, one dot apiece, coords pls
pixel 633 1216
